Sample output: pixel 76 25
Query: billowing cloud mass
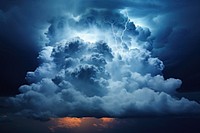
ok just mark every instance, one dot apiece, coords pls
pixel 99 63
pixel 173 25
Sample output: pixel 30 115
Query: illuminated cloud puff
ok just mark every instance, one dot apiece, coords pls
pixel 99 64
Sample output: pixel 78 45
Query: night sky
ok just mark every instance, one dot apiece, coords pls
pixel 99 66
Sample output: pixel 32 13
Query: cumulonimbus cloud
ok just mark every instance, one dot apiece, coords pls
pixel 99 64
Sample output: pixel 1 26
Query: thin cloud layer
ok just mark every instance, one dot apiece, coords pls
pixel 99 64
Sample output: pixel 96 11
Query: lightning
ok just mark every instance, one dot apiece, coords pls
pixel 118 34
pixel 125 27
pixel 114 34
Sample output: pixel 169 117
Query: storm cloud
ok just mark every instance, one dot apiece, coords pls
pixel 99 63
